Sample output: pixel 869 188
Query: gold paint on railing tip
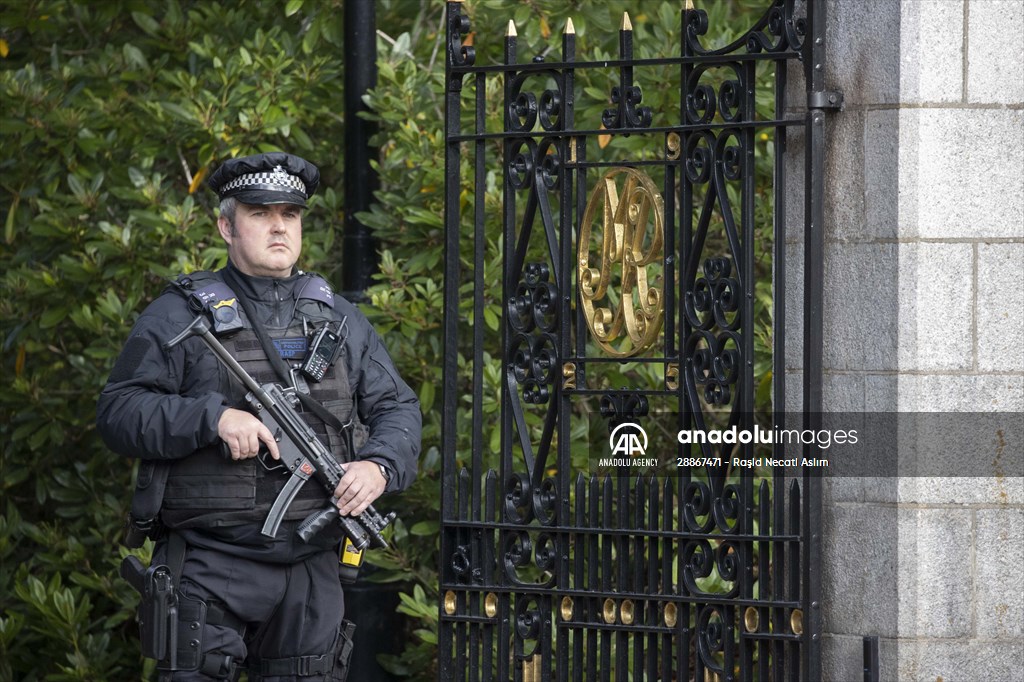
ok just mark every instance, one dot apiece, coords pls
pixel 672 376
pixel 449 603
pixel 569 28
pixel 688 6
pixel 532 668
pixel 567 609
pixel 627 25
pixel 510 32
pixel 751 619
pixel 671 615
pixel 673 146
pixel 609 611
pixel 796 622
pixel 626 612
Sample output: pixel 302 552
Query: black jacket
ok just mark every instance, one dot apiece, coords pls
pixel 166 404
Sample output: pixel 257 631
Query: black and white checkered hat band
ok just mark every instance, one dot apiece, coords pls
pixel 277 179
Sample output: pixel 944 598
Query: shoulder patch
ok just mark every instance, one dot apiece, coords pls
pixel 131 357
pixel 187 285
pixel 212 294
pixel 206 292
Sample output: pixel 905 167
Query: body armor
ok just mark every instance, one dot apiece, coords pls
pixel 208 489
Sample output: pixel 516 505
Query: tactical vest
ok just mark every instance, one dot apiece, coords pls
pixel 208 489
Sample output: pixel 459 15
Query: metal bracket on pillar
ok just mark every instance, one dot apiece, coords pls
pixel 825 99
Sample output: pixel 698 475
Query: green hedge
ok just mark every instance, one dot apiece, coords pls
pixel 112 114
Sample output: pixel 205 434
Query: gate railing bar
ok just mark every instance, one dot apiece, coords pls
pixel 651 630
pixel 611 531
pixel 779 229
pixel 746 393
pixel 449 666
pixel 683 631
pixel 625 132
pixel 635 596
pixel 504 657
pixel 528 67
pixel 479 251
pixel 814 276
pixel 567 121
pixel 477 437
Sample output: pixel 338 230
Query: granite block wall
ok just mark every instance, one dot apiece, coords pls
pixel 924 312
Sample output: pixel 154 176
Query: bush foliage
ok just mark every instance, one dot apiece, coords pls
pixel 113 113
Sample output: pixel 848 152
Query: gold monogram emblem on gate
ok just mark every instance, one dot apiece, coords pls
pixel 617 291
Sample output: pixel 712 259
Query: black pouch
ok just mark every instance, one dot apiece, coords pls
pixel 143 519
pixel 345 646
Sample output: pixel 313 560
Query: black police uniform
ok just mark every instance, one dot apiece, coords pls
pixel 274 603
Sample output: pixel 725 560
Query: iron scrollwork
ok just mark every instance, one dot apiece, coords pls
pixel 520 553
pixel 525 501
pixel 619 408
pixel 715 638
pixel 458 53
pixel 703 101
pixel 533 314
pixel 781 28
pixel 714 292
pixel 626 96
pixel 523 108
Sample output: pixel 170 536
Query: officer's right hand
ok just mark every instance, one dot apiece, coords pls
pixel 243 432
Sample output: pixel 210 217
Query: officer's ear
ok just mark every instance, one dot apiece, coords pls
pixel 226 229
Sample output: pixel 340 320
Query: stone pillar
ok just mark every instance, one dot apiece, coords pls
pixel 924 307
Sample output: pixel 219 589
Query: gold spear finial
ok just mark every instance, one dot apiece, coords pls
pixel 627 25
pixel 510 32
pixel 689 5
pixel 569 28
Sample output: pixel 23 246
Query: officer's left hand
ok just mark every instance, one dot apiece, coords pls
pixel 359 487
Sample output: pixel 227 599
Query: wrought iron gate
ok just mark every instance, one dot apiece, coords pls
pixel 629 247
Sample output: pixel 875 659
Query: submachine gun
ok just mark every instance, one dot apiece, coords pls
pixel 302 453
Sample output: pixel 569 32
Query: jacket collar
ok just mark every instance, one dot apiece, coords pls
pixel 267 289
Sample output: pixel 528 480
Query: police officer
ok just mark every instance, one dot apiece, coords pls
pixel 208 468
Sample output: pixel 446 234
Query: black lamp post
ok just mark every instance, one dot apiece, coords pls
pixel 359 248
pixel 370 606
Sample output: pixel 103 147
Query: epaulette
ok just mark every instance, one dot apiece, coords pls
pixel 205 291
pixel 316 288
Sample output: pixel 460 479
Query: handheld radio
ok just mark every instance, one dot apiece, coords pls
pixel 323 351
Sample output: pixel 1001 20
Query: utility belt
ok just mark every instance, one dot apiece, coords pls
pixel 172 627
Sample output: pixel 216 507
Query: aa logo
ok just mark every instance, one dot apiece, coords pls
pixel 628 439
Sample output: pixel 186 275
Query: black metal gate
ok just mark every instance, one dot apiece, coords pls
pixel 630 250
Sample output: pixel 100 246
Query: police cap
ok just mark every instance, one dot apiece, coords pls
pixel 263 179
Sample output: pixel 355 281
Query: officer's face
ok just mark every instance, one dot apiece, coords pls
pixel 265 241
